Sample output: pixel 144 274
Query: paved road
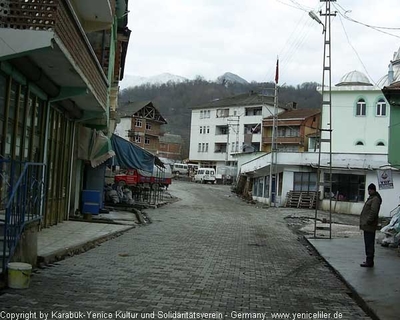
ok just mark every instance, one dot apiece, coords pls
pixel 209 252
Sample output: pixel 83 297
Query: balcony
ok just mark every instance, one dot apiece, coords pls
pixel 50 35
pixel 284 140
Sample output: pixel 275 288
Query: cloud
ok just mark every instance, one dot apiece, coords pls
pixel 210 37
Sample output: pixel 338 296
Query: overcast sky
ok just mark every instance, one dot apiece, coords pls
pixel 210 37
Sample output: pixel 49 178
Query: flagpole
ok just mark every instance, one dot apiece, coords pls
pixel 273 139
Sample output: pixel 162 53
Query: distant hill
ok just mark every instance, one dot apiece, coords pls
pixel 229 78
pixel 131 81
pixel 174 100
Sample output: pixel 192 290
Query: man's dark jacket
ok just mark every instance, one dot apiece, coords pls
pixel 370 213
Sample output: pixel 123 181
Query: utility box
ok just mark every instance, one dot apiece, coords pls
pixel 91 201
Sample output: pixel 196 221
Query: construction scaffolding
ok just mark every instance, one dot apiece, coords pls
pixel 325 130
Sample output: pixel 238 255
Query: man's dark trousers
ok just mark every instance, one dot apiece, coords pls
pixel 369 240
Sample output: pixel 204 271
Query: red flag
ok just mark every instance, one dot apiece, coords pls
pixel 277 71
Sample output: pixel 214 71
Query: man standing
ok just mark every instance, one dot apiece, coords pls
pixel 369 223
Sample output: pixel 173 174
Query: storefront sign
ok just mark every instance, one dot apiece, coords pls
pixel 385 180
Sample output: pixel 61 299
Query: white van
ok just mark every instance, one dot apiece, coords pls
pixel 180 168
pixel 205 175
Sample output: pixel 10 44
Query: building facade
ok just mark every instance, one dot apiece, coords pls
pixel 141 123
pixel 225 127
pixel 360 121
pixel 296 130
pixel 59 71
pixel 171 146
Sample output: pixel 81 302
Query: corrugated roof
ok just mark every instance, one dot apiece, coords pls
pixel 246 99
pixel 297 114
pixel 130 108
pixel 171 138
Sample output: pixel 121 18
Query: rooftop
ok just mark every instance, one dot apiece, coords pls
pixel 130 109
pixel 296 114
pixel 354 78
pixel 247 99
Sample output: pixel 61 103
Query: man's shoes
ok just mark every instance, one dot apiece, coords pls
pixel 367 264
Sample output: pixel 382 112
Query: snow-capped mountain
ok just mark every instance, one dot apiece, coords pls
pixel 229 77
pixel 134 81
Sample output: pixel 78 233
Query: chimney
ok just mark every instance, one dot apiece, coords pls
pixel 390 73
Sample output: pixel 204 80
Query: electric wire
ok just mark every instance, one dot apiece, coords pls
pixel 359 22
pixel 355 51
pixel 295 41
pixel 378 29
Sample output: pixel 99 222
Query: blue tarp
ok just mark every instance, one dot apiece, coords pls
pixel 130 156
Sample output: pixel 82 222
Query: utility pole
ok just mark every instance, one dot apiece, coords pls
pixel 274 149
pixel 325 130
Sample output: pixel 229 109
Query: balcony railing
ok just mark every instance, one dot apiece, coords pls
pixel 283 140
pixel 58 16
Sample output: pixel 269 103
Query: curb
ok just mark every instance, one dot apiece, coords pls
pixel 354 294
pixel 82 247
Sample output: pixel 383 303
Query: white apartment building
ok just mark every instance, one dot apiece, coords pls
pixel 224 127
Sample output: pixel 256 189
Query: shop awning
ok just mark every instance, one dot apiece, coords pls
pixel 94 146
pixel 130 156
pixel 101 149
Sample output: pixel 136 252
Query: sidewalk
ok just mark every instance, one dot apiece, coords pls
pixel 70 237
pixel 378 287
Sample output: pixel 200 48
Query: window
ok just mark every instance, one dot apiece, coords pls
pixel 266 189
pixel 201 129
pixel 199 148
pixel 381 108
pixel 233 146
pixel 359 143
pixel 138 139
pixel 208 129
pixel 258 187
pixel 380 144
pixel 203 147
pixel 138 123
pixel 146 141
pixel 305 181
pixel 222 113
pixel 346 187
pixel 208 114
pixel 252 128
pixel 361 108
pixel 288 132
pixel 201 114
pixel 221 130
pixel 148 126
pixel 206 147
pixel 257 111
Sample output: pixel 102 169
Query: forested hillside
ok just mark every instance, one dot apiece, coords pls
pixel 174 100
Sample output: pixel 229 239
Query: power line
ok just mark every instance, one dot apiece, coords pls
pixel 355 51
pixel 367 25
pixel 296 39
pixel 292 6
pixel 362 23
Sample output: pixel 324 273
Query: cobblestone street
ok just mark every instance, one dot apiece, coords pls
pixel 208 252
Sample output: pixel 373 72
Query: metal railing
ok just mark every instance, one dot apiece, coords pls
pixel 24 193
